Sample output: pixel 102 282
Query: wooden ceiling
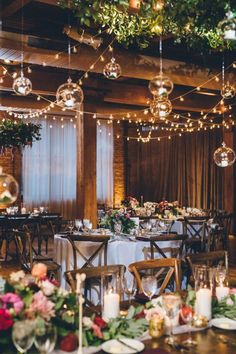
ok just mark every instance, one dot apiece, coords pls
pixel 43 38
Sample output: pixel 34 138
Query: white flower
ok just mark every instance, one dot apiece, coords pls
pixel 47 287
pixel 63 292
pixel 229 302
pixel 87 322
pixel 15 277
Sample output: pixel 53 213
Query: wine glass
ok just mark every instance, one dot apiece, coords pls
pixel 171 303
pixel 78 224
pixel 45 339
pixel 187 315
pixel 149 286
pixel 129 287
pixel 71 225
pixel 23 335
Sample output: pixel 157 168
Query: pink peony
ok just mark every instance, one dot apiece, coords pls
pixel 154 311
pixel 39 271
pixel 42 306
pixel 12 299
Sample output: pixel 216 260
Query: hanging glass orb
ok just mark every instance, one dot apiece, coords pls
pixel 224 156
pixel 160 108
pixel 22 85
pixel 112 70
pixel 9 189
pixel 161 86
pixel 69 95
pixel 228 91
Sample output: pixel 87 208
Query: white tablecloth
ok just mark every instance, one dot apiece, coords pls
pixel 118 252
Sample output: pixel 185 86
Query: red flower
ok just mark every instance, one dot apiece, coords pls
pixel 140 315
pixel 100 322
pixel 5 320
pixel 69 343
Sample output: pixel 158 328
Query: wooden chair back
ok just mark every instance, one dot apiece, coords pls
pixel 23 242
pixel 100 240
pixel 208 258
pixel 166 270
pixel 196 228
pixel 96 276
pixel 155 242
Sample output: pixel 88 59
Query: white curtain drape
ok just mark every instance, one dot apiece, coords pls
pixel 105 163
pixel 49 169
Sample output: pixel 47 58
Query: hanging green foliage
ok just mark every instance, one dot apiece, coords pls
pixel 195 22
pixel 18 134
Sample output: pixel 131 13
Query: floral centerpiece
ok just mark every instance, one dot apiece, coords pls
pixel 115 218
pixel 130 203
pixel 39 300
pixel 166 208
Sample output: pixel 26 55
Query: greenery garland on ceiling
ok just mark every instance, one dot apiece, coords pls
pixel 197 22
pixel 17 135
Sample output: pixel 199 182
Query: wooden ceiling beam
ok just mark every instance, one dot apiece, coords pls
pixel 12 7
pixel 133 65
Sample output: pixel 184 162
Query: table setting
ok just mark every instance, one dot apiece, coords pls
pixel 37 316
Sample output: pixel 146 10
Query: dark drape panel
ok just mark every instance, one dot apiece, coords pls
pixel 178 169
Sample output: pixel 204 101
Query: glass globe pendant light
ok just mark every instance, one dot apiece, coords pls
pixel 224 156
pixel 161 86
pixel 22 85
pixel 160 108
pixel 112 70
pixel 9 189
pixel 69 95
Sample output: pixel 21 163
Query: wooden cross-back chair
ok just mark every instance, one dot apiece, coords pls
pixel 222 230
pixel 166 270
pixel 28 257
pixel 209 259
pixel 96 276
pixel 100 240
pixel 195 228
pixel 155 244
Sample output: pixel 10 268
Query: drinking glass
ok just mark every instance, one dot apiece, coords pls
pixel 129 287
pixel 118 227
pixel 187 316
pixel 171 304
pixel 149 286
pixel 220 275
pixel 23 335
pixel 78 224
pixel 45 339
pixel 70 225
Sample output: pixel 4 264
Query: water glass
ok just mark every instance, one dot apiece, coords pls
pixel 45 339
pixel 71 225
pixel 78 224
pixel 129 287
pixel 220 275
pixel 171 303
pixel 187 316
pixel 149 286
pixel 23 334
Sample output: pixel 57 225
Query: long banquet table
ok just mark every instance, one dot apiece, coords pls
pixel 211 340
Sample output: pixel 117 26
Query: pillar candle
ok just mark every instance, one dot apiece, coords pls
pixel 221 292
pixel 111 305
pixel 141 201
pixel 203 302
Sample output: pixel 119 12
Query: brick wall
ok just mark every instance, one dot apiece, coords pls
pixel 11 164
pixel 119 164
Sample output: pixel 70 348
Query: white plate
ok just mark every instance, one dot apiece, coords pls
pixel 224 323
pixel 114 347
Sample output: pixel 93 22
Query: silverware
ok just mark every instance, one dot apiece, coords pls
pixel 127 345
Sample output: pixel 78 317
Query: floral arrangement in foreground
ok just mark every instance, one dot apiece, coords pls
pixel 35 298
pixel 118 221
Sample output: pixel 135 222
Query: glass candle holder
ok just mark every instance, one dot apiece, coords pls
pixel 156 326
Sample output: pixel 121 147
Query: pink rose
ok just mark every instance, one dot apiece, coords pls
pixel 39 271
pixel 97 331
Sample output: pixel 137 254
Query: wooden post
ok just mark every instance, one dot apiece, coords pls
pixel 86 194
